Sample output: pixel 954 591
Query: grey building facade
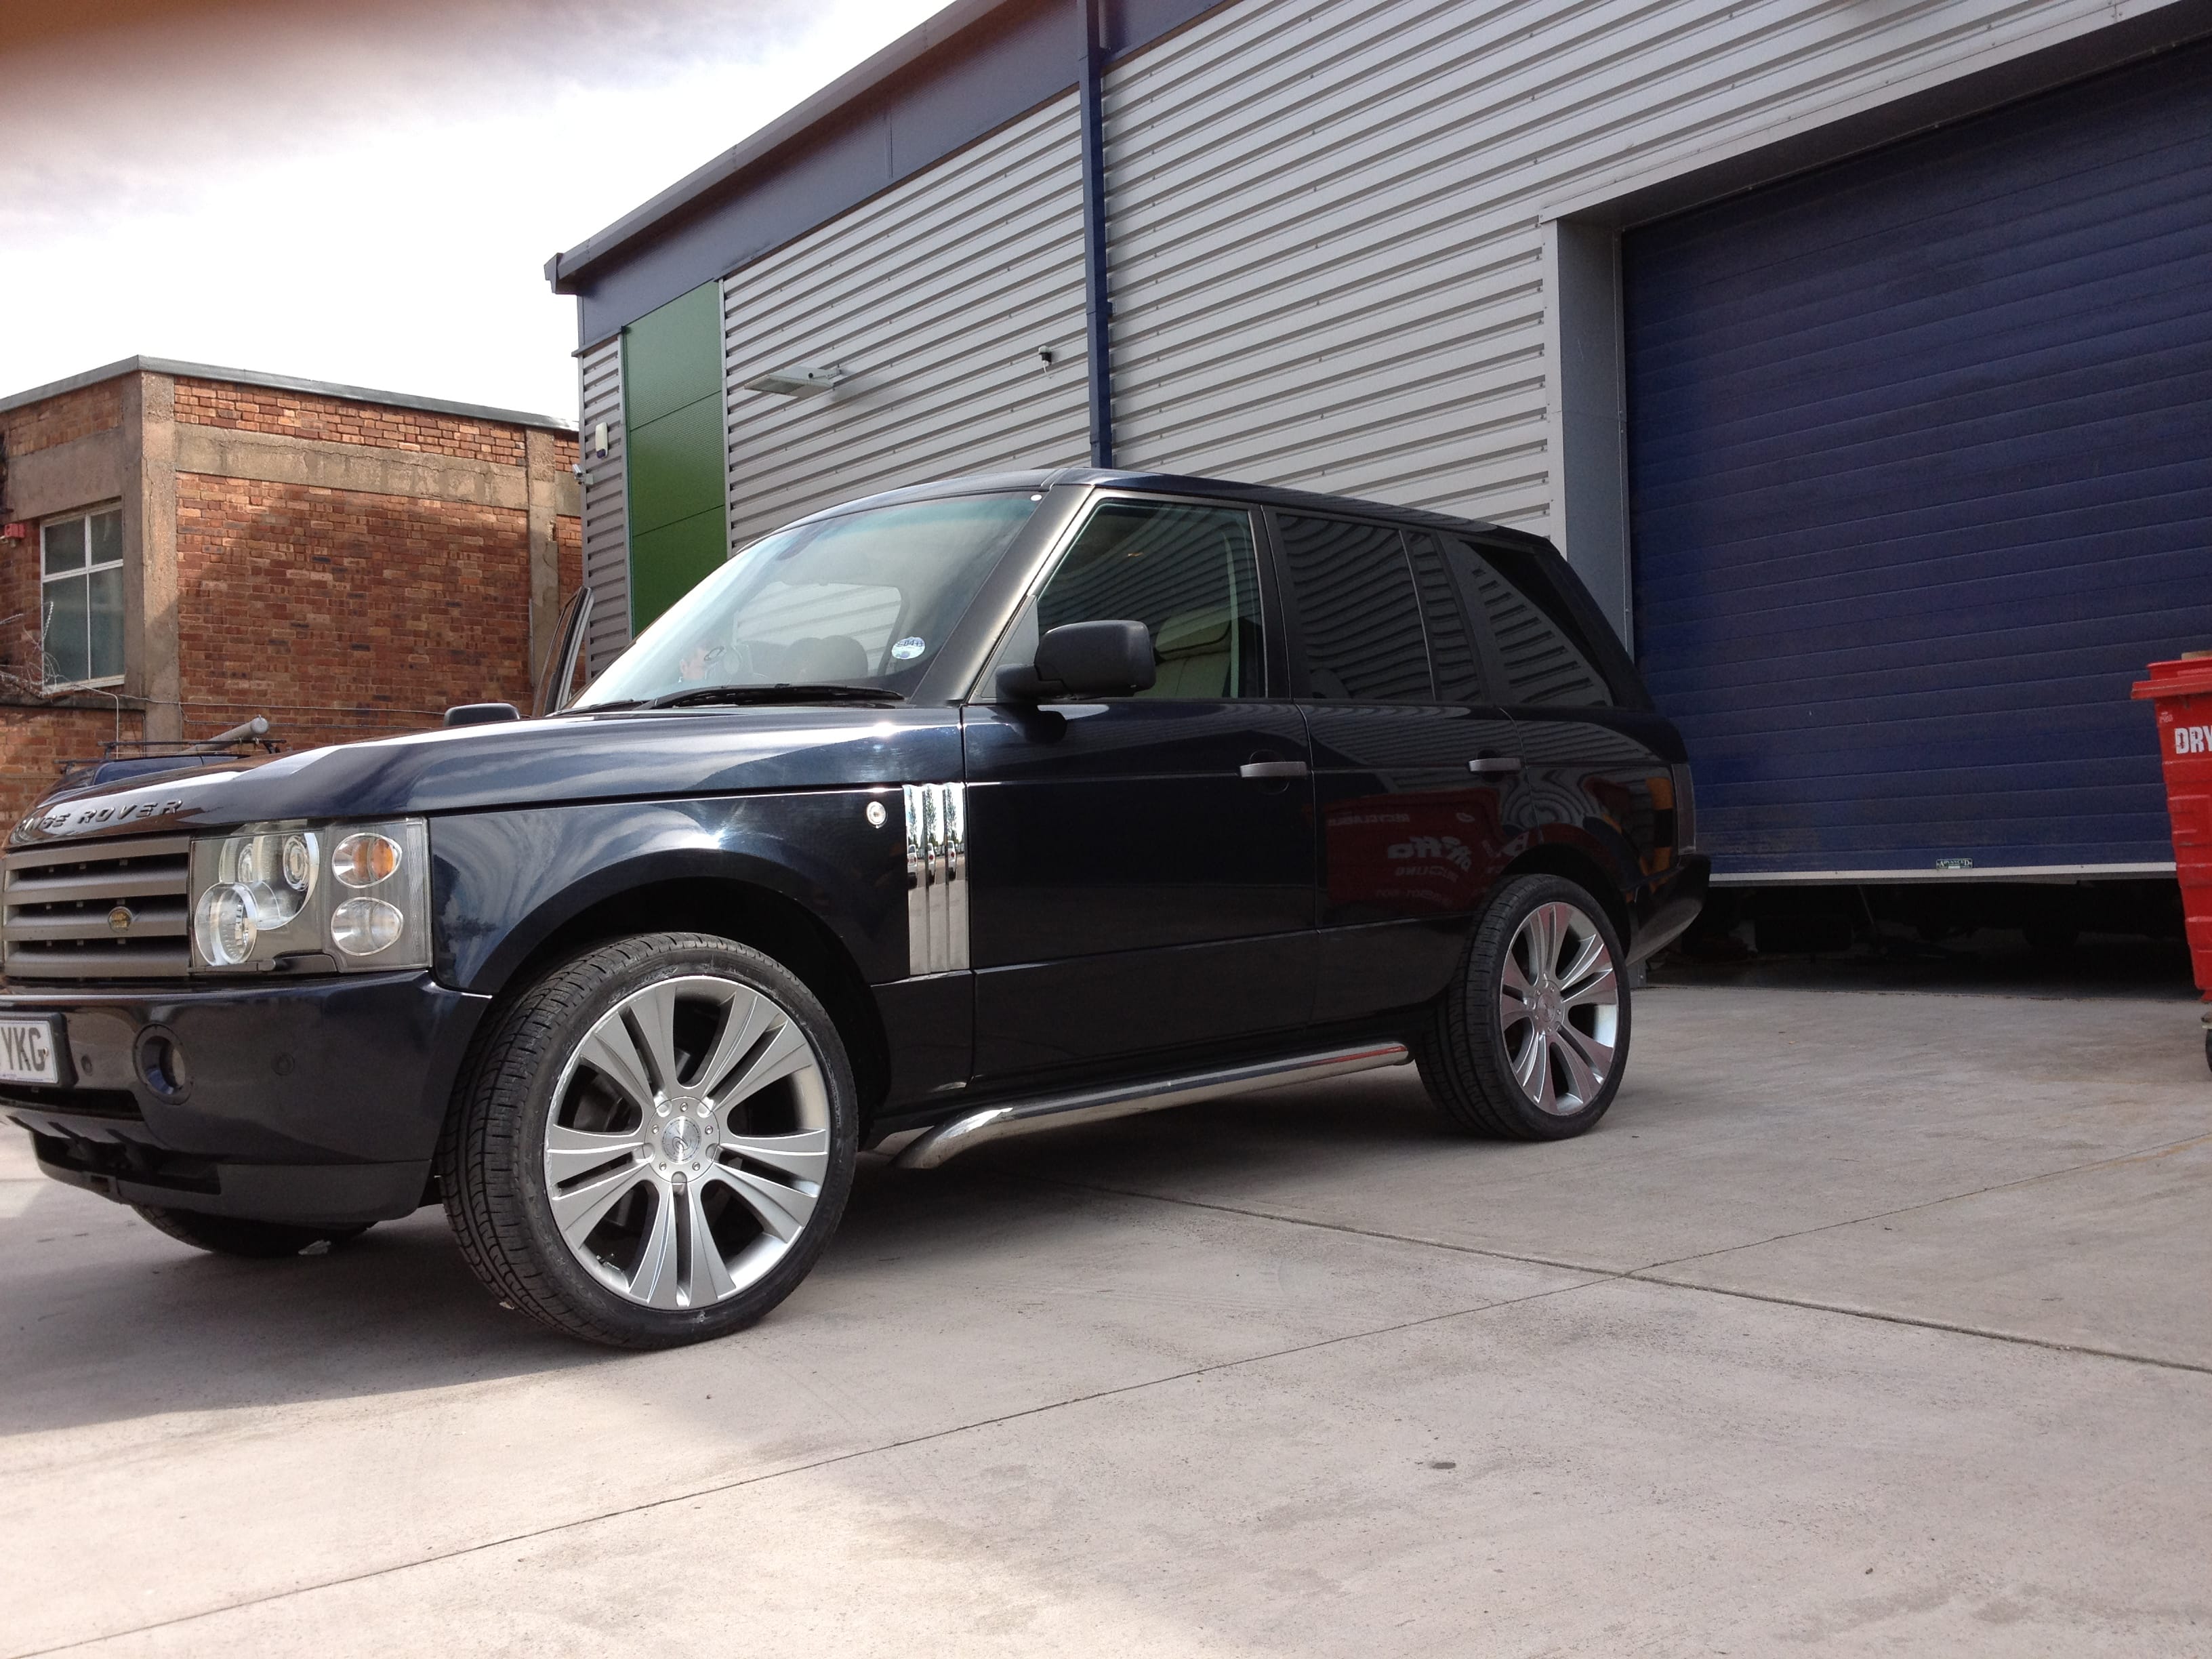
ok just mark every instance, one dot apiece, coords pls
pixel 1855 354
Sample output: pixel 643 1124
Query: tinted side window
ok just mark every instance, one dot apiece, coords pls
pixel 1452 651
pixel 1188 573
pixel 1540 663
pixel 1358 613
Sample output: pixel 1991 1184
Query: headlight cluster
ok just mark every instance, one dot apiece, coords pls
pixel 359 893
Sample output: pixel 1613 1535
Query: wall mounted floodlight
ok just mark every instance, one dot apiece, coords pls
pixel 798 382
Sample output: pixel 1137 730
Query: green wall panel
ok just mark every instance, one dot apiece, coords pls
pixel 674 356
pixel 672 410
pixel 675 466
pixel 666 563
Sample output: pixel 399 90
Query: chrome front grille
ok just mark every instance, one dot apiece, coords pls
pixel 114 909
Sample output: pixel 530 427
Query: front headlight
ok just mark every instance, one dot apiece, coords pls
pixel 358 894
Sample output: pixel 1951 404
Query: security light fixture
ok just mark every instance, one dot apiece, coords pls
pixel 798 382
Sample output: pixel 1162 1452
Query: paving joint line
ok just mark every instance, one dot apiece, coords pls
pixel 1651 1275
pixel 1929 1203
pixel 2050 1344
pixel 696 1493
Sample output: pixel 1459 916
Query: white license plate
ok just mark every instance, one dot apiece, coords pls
pixel 28 1051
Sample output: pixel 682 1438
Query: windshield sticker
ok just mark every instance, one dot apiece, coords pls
pixel 908 648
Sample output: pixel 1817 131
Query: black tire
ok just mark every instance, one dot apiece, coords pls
pixel 1467 1054
pixel 230 1235
pixel 493 1161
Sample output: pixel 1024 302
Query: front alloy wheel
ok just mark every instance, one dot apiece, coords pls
pixel 655 1142
pixel 686 1152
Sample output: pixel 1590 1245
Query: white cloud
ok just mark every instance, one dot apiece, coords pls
pixel 373 202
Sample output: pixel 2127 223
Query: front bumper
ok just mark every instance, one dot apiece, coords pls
pixel 318 1102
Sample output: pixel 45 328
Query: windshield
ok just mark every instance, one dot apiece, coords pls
pixel 864 600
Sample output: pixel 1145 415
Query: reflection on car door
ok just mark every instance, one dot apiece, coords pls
pixel 1133 889
pixel 1411 760
pixel 1558 699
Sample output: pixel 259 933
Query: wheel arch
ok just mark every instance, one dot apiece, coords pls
pixel 1556 857
pixel 748 913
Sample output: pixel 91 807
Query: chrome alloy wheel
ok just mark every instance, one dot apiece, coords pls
pixel 1559 1008
pixel 687 1141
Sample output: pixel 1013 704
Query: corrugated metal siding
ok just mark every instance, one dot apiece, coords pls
pixel 934 298
pixel 606 518
pixel 1326 254
pixel 1921 477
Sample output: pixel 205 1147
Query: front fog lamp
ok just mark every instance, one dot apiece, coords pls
pixel 289 896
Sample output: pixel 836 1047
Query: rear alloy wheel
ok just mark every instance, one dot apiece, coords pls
pixel 663 1136
pixel 1530 1038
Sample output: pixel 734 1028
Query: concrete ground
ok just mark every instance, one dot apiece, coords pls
pixel 1865 1323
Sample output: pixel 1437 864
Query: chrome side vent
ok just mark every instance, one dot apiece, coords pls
pixel 935 876
pixel 110 909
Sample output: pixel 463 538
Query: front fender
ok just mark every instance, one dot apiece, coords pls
pixel 504 882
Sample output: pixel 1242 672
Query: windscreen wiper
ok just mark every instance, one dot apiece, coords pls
pixel 773 694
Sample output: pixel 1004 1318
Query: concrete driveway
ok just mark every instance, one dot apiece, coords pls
pixel 1865 1323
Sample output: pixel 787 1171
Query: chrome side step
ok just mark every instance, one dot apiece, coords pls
pixel 946 1141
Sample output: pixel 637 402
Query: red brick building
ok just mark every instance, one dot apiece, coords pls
pixel 191 547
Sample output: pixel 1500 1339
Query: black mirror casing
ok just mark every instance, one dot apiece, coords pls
pixel 1087 660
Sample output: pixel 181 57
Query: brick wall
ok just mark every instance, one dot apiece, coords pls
pixel 341 421
pixel 341 615
pixel 35 738
pixel 569 533
pixel 20 651
pixel 57 420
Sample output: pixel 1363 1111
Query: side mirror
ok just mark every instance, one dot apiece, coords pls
pixel 1085 659
pixel 481 713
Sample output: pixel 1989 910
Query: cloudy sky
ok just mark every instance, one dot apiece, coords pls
pixel 362 190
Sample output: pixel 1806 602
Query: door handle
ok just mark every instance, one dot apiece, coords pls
pixel 1273 770
pixel 1493 766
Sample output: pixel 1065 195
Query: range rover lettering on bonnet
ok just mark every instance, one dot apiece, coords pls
pixel 65 822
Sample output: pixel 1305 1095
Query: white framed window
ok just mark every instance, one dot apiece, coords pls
pixel 81 597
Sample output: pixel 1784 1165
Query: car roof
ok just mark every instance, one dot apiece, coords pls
pixel 1172 484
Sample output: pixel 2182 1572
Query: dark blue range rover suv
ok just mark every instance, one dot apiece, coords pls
pixel 946 815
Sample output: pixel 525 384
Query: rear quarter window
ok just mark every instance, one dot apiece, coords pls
pixel 1538 660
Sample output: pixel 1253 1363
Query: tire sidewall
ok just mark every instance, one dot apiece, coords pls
pixel 1500 927
pixel 523 1179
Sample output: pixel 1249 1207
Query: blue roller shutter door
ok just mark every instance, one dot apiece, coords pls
pixel 1921 465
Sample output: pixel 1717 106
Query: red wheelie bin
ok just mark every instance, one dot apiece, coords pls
pixel 2181 691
